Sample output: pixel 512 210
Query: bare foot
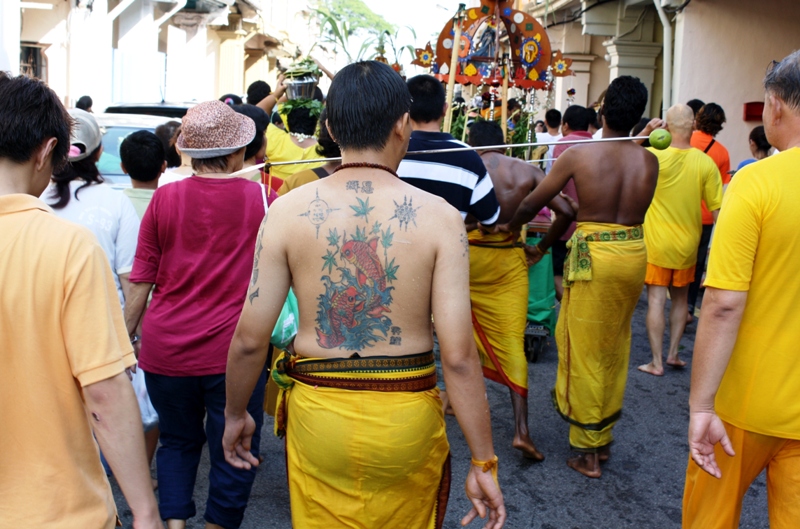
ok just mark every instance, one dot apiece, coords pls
pixel 528 449
pixel 586 464
pixel 449 410
pixel 675 363
pixel 604 454
pixel 651 369
pixel 689 318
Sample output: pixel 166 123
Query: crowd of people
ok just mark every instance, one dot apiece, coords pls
pixel 142 324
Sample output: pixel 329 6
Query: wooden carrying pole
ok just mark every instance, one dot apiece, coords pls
pixel 504 103
pixel 451 78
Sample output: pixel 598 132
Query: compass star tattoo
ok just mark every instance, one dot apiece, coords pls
pixel 405 213
pixel 318 212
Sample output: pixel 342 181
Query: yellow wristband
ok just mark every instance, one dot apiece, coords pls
pixel 486 466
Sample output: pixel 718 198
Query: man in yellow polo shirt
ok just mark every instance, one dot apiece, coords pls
pixel 744 405
pixel 63 345
pixel 672 230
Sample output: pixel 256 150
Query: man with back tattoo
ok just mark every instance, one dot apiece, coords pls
pixel 499 277
pixel 370 259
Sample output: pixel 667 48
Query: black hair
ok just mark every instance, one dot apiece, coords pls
pixel 458 106
pixel 142 154
pixel 364 103
pixel 166 132
pixel 639 128
pixel 710 119
pixel 624 104
pixel 759 137
pixel 85 169
pixel 301 121
pixel 318 95
pixel 592 118
pixel 31 114
pixel 783 80
pixel 257 91
pixel 261 119
pixel 84 103
pixel 576 118
pixel 276 118
pixel 428 97
pixel 512 103
pixel 217 164
pixel 537 123
pixel 231 99
pixel 553 118
pixel 326 147
pixel 484 133
pixel 695 105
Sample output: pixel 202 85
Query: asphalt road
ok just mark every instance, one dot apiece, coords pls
pixel 641 486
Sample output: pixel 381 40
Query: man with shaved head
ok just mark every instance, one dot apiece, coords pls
pixel 672 230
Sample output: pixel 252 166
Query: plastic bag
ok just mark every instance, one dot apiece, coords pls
pixel 148 412
pixel 286 327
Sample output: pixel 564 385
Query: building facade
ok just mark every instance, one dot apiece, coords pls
pixel 715 50
pixel 146 51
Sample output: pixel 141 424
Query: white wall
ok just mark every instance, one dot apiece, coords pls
pixel 139 69
pixel 78 49
pixel 723 48
pixel 9 36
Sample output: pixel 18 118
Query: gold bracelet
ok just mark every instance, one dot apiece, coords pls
pixel 541 252
pixel 486 466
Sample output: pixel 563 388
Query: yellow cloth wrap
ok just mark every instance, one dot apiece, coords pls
pixel 498 283
pixel 366 459
pixel 578 265
pixel 594 336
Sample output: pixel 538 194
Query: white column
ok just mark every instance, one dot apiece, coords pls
pixel 138 68
pixel 89 55
pixel 9 36
pixel 231 64
pixel 188 78
pixel 634 58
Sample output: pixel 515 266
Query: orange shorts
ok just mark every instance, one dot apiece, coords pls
pixel 664 277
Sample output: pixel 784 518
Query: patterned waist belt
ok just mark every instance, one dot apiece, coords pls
pixel 508 242
pixel 374 373
pixel 578 265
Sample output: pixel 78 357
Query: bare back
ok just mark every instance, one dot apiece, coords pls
pixel 513 179
pixel 615 181
pixel 362 248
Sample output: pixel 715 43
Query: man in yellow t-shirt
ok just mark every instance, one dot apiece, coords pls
pixel 746 375
pixel 63 345
pixel 672 230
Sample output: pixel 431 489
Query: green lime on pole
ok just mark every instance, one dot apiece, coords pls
pixel 660 139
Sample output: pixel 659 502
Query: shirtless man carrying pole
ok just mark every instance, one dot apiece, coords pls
pixel 499 277
pixel 604 271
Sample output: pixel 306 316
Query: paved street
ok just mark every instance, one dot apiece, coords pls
pixel 641 487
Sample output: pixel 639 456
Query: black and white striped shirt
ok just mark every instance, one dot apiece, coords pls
pixel 458 177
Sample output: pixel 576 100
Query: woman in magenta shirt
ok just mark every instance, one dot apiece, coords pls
pixel 196 246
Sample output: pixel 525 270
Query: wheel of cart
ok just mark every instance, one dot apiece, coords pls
pixel 541 296
pixel 535 341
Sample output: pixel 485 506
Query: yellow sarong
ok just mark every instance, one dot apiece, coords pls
pixel 498 284
pixel 604 274
pixel 366 445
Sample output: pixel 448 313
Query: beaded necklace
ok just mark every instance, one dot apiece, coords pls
pixel 356 165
